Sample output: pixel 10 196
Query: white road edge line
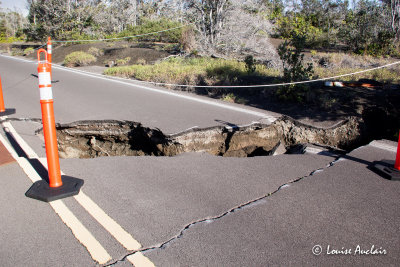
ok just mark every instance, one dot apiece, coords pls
pixel 122 236
pixel 119 80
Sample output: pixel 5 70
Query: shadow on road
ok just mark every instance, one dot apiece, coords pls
pixel 35 163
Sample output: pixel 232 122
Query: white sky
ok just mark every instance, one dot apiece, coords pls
pixel 11 4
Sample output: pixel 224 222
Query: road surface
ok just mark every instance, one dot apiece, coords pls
pixel 190 210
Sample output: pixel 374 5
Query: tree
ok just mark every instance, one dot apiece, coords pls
pixel 394 7
pixel 366 28
pixel 291 54
pixel 11 24
pixel 233 28
pixel 210 15
pixel 60 18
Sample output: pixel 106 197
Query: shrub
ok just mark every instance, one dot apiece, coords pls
pixel 141 61
pixel 250 64
pixel 79 58
pixel 292 60
pixel 29 51
pixel 16 52
pixel 123 61
pixel 294 70
pixel 229 98
pixel 95 51
pixel 290 27
pixel 11 39
pixel 148 26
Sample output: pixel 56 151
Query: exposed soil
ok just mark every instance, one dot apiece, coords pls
pixel 89 139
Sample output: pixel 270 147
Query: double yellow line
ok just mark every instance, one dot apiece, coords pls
pixel 81 233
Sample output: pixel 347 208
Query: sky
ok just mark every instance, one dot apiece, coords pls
pixel 19 4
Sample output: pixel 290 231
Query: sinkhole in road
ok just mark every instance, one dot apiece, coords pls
pixel 90 139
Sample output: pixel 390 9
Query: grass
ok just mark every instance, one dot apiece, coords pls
pixel 29 51
pixel 79 58
pixel 95 51
pixel 386 75
pixel 213 72
pixel 191 71
pixel 123 61
pixel 232 98
pixel 17 52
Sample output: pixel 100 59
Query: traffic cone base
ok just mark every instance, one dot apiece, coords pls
pixel 7 111
pixel 397 162
pixel 386 169
pixel 41 190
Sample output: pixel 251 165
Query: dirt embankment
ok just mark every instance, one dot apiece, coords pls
pixel 88 139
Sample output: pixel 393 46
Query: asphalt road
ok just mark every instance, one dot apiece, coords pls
pixel 80 96
pixel 193 209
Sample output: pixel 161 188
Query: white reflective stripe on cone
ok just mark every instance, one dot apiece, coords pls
pixel 49 49
pixel 46 93
pixel 44 78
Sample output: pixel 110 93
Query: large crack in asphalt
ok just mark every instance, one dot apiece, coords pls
pixel 248 204
pixel 90 139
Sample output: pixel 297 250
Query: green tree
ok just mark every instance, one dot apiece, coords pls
pixel 366 28
pixel 59 18
pixel 294 70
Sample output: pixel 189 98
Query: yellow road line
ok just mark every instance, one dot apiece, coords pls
pixel 81 233
pixel 139 260
pixel 121 235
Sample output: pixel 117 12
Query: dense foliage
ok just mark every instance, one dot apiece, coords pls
pixel 228 27
pixel 363 26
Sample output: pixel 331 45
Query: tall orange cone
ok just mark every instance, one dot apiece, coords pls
pixel 49 49
pixel 49 53
pixel 58 187
pixel 387 169
pixel 397 163
pixel 2 107
pixel 3 110
pixel 49 126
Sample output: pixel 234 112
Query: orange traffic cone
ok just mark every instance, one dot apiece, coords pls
pixel 387 169
pixel 397 163
pixel 3 110
pixel 58 187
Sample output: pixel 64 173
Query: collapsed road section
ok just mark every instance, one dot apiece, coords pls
pixel 89 139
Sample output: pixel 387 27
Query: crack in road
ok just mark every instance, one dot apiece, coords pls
pixel 129 138
pixel 226 213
